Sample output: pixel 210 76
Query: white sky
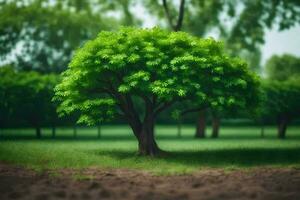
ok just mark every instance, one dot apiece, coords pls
pixel 281 42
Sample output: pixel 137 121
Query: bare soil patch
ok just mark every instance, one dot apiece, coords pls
pixel 93 183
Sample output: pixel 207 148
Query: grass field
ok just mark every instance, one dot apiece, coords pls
pixel 239 147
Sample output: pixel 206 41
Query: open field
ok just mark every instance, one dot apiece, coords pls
pixel 239 147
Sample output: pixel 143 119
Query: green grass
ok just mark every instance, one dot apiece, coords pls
pixel 239 147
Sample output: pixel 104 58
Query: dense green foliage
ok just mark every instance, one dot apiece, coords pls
pixel 45 33
pixel 281 102
pixel 282 97
pixel 235 149
pixel 281 89
pixel 283 67
pixel 156 66
pixel 26 98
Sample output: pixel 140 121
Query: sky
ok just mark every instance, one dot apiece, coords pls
pixel 281 42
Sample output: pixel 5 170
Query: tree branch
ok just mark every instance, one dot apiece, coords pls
pixel 163 107
pixel 191 110
pixel 178 25
pixel 167 12
pixel 180 16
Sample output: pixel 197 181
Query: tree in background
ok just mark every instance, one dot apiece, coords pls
pixel 153 65
pixel 282 67
pixel 282 102
pixel 281 91
pixel 41 35
pixel 26 99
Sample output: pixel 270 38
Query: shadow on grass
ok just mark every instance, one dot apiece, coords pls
pixel 221 157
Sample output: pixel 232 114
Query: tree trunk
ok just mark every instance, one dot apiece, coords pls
pixel 99 131
pixel 53 131
pixel 146 139
pixel 282 126
pixel 201 125
pixel 215 127
pixel 38 132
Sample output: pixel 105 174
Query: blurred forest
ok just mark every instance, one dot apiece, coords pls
pixel 39 37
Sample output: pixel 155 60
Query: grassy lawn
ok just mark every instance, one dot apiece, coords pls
pixel 239 147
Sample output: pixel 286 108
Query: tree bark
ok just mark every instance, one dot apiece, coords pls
pixel 215 127
pixel 282 126
pixel 146 139
pixel 201 125
pixel 38 132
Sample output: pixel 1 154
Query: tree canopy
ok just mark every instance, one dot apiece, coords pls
pixel 43 34
pixel 26 98
pixel 281 102
pixel 282 67
pixel 156 66
pixel 281 89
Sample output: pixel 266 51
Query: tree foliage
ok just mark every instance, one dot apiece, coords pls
pixel 41 35
pixel 282 67
pixel 156 66
pixel 26 98
pixel 281 102
pixel 281 90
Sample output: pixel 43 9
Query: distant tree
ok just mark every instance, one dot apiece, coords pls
pixel 26 99
pixel 281 102
pixel 282 67
pixel 41 35
pixel 281 91
pixel 156 66
pixel 6 99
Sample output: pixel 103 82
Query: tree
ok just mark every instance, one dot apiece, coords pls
pixel 281 91
pixel 282 67
pixel 153 65
pixel 281 102
pixel 41 35
pixel 26 99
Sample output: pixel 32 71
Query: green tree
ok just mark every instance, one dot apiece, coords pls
pixel 153 65
pixel 281 91
pixel 41 35
pixel 282 67
pixel 26 99
pixel 281 102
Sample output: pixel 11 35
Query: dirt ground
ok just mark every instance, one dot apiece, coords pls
pixel 259 183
